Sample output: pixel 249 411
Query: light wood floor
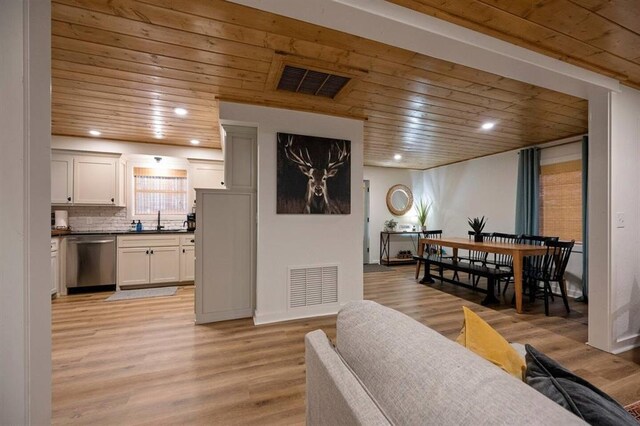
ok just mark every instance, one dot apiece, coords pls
pixel 144 362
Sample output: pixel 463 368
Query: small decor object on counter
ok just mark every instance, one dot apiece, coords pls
pixel 477 225
pixel 422 210
pixel 390 225
pixel 133 226
pixel 405 254
pixel 139 227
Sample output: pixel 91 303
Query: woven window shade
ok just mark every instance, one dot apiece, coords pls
pixel 163 190
pixel 561 200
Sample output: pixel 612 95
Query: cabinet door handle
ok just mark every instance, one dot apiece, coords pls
pixel 184 251
pixel 151 251
pixel 147 251
pixel 193 241
pixel 69 199
pixel 113 200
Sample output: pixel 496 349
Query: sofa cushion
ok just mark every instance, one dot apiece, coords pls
pixel 480 338
pixel 418 376
pixel 572 392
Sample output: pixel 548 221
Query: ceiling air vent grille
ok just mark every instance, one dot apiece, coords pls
pixel 313 286
pixel 301 80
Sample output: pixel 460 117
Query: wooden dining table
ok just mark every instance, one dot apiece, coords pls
pixel 517 251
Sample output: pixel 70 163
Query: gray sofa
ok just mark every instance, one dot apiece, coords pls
pixel 387 368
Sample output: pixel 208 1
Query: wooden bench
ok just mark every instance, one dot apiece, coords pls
pixel 488 272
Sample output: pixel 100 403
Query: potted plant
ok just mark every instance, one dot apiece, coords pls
pixel 477 224
pixel 422 209
pixel 390 225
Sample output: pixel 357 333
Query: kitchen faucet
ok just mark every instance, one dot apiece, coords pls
pixel 159 228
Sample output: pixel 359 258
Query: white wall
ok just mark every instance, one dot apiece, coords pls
pixel 381 179
pixel 25 304
pixel 301 240
pixel 124 147
pixel 481 187
pixel 625 199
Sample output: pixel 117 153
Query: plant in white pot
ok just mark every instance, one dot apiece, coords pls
pixel 422 210
pixel 477 225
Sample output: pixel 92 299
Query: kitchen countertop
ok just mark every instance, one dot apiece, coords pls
pixel 60 233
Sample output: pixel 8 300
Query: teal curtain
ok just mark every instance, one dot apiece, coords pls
pixel 585 221
pixel 528 192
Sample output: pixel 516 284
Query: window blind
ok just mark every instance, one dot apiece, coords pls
pixel 163 190
pixel 561 200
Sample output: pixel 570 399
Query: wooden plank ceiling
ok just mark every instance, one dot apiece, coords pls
pixel 122 66
pixel 600 35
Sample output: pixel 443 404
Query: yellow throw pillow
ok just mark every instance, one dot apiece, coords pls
pixel 479 337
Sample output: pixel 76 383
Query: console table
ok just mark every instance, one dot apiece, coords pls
pixel 385 247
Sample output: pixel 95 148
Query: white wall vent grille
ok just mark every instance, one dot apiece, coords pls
pixel 313 286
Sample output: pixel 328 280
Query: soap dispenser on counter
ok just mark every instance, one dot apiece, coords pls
pixel 139 226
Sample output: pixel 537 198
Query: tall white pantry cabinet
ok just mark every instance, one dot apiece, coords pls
pixel 226 234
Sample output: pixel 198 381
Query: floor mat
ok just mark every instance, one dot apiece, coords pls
pixel 142 293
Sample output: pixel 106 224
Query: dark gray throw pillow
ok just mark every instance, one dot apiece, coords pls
pixel 573 393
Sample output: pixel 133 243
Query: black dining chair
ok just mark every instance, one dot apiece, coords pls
pixel 552 269
pixel 430 249
pixel 531 264
pixel 474 257
pixel 503 261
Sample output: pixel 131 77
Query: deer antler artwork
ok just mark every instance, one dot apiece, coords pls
pixel 317 199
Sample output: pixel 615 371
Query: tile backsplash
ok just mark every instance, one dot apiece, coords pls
pixel 109 218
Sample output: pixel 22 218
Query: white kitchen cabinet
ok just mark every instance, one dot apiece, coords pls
pixel 55 266
pixel 164 265
pixel 87 179
pixel 240 158
pixel 206 174
pixel 145 260
pixel 133 266
pixel 94 180
pixel 188 259
pixel 61 179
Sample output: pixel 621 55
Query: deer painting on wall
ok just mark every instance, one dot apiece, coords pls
pixel 314 175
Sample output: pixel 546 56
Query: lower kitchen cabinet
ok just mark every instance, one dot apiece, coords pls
pixel 164 265
pixel 188 263
pixel 154 259
pixel 55 266
pixel 133 266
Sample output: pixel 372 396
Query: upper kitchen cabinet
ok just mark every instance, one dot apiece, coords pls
pixel 87 179
pixel 94 180
pixel 61 179
pixel 240 158
pixel 206 174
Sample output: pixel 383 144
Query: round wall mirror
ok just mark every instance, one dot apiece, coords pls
pixel 399 199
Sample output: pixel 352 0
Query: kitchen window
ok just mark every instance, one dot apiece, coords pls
pixel 163 190
pixel 561 200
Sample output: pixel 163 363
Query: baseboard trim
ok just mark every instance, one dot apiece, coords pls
pixel 316 311
pixel 224 316
pixel 626 343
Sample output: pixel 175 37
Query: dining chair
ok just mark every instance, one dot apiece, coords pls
pixel 532 264
pixel 474 257
pixel 430 248
pixel 504 261
pixel 553 268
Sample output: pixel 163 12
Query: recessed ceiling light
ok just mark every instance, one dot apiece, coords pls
pixel 195 142
pixel 488 125
pixel 180 111
pixel 397 157
pixel 94 133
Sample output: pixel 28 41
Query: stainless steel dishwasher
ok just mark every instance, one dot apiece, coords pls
pixel 91 260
